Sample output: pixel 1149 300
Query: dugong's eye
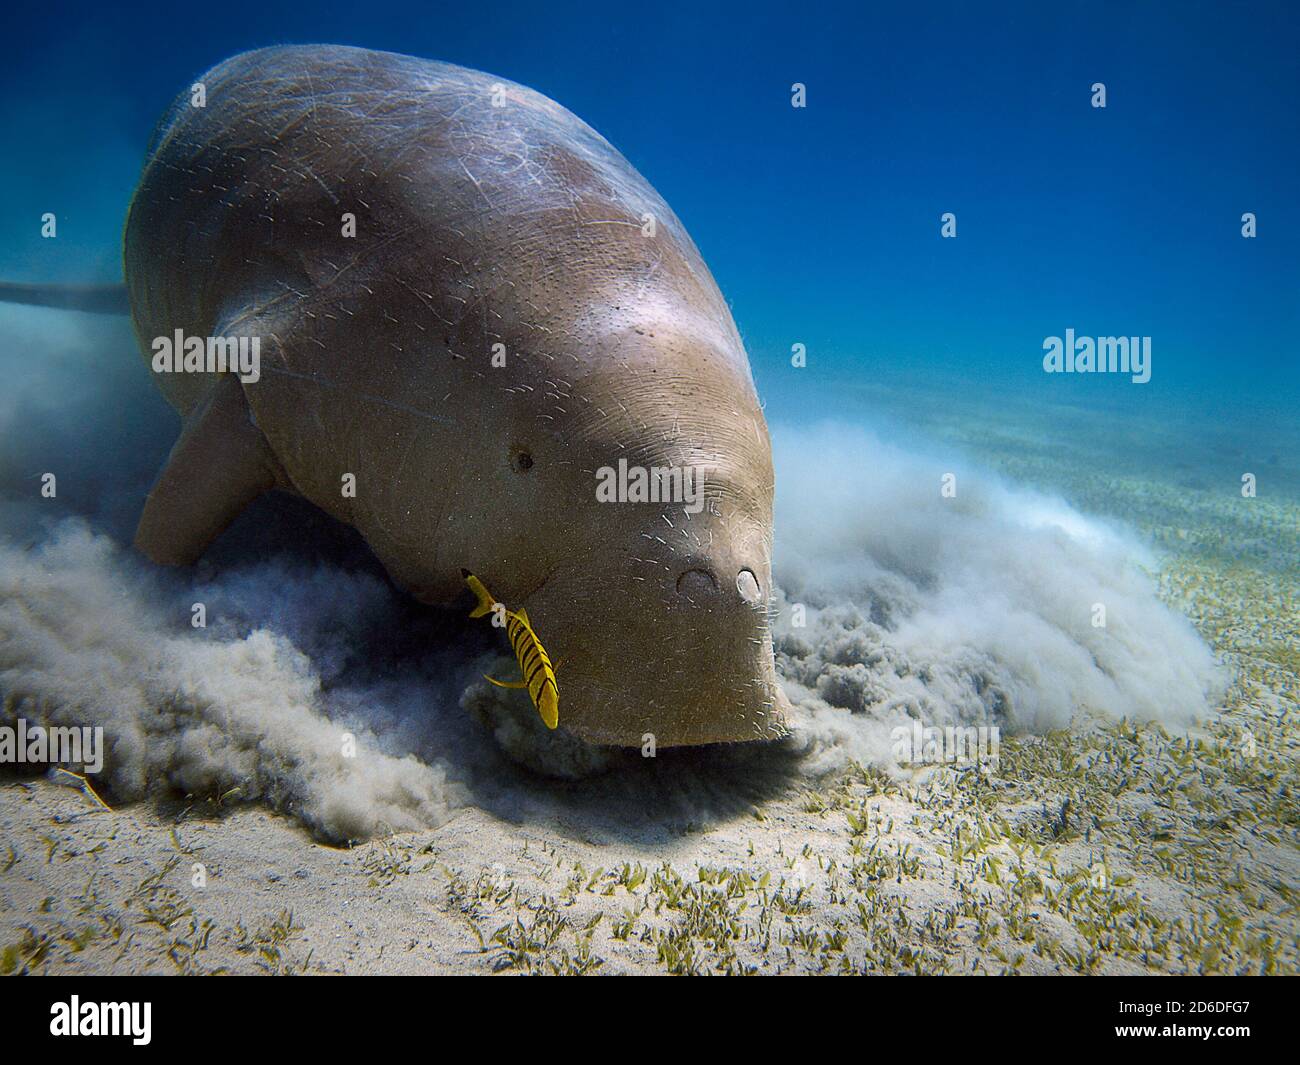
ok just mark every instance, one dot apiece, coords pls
pixel 521 459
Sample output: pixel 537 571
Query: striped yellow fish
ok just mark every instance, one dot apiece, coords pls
pixel 539 675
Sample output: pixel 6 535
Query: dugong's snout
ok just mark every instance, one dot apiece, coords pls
pixel 683 658
pixel 703 581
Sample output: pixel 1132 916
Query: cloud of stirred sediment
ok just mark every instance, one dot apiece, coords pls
pixel 975 609
pixel 975 606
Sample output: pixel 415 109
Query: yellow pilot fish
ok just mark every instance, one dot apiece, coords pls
pixel 539 675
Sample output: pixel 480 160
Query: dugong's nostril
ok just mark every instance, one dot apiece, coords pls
pixel 747 586
pixel 694 582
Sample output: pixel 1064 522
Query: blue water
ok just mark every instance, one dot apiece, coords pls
pixel 822 224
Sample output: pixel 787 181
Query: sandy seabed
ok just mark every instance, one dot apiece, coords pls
pixel 1104 846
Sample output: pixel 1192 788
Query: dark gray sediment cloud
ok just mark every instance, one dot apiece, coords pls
pixel 971 610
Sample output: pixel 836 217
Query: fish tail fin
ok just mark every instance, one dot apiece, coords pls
pixel 95 299
pixel 485 600
pixel 549 706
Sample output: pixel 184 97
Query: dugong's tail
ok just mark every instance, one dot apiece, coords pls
pixel 96 299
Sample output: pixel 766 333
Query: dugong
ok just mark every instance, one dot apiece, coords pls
pixel 487 344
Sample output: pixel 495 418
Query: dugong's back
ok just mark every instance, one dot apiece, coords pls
pixel 450 173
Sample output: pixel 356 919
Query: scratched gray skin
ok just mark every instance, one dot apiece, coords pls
pixel 476 225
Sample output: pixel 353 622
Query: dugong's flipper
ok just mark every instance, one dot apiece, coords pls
pixel 220 464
